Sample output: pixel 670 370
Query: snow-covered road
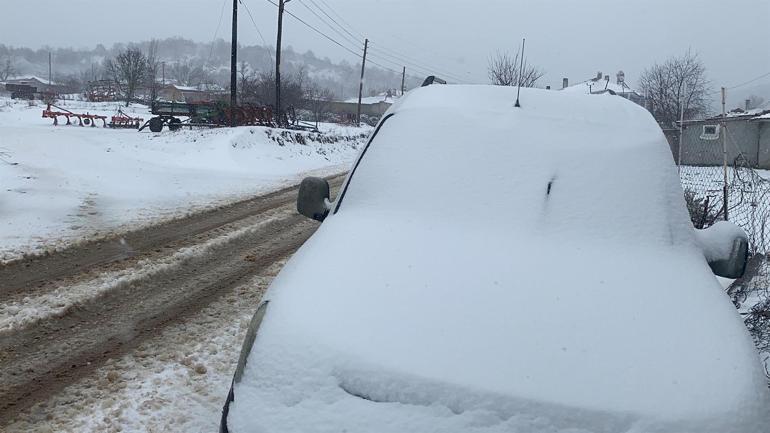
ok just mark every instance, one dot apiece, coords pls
pixel 62 184
pixel 145 342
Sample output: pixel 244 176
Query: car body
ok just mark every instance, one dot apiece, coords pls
pixel 496 268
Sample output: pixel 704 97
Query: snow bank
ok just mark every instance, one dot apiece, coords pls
pixel 514 273
pixel 717 240
pixel 61 184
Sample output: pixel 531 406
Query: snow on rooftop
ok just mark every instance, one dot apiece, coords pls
pixel 31 78
pixel 497 269
pixel 382 97
pixel 591 86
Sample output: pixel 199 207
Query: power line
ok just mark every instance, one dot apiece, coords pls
pixel 401 60
pixel 360 35
pixel 333 20
pixel 334 41
pixel 216 33
pixel 426 69
pixel 409 61
pixel 253 22
pixel 264 43
pixel 750 81
pixel 354 41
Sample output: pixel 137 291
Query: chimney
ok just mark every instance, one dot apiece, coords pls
pixel 748 104
pixel 564 83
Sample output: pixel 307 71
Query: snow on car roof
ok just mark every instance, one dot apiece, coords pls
pixel 494 268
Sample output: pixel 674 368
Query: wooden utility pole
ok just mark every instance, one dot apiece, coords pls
pixel 50 70
pixel 281 6
pixel 403 79
pixel 234 65
pixel 164 73
pixel 724 157
pixel 361 83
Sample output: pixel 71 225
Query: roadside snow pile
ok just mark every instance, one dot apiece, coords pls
pixel 61 184
pixel 514 273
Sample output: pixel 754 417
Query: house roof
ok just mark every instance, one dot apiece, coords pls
pixel 32 78
pixel 599 86
pixel 757 114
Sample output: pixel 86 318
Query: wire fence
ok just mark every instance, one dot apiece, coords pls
pixel 745 189
pixel 742 192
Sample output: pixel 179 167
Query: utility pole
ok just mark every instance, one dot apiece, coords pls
pixel 164 73
pixel 724 157
pixel 403 79
pixel 361 83
pixel 234 65
pixel 50 70
pixel 281 6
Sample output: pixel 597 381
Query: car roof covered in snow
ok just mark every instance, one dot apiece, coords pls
pixel 494 268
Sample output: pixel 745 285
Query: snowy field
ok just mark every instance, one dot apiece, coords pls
pixel 61 184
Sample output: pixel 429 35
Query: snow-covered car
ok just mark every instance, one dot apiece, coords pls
pixel 489 268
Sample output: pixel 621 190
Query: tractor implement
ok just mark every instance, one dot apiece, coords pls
pixel 122 120
pixel 83 119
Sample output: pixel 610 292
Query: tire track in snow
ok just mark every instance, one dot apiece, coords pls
pixel 47 272
pixel 120 299
pixel 41 360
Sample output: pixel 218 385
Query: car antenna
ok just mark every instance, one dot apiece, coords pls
pixel 521 66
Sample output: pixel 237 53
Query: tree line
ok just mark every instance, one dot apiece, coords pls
pixel 677 87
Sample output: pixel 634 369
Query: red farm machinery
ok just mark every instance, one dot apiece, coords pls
pixel 120 120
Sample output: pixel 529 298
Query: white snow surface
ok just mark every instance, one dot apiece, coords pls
pixel 514 273
pixel 717 241
pixel 590 86
pixel 62 184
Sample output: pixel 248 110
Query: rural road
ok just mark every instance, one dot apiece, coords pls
pixel 101 300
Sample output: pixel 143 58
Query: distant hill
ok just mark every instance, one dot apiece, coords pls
pixel 188 61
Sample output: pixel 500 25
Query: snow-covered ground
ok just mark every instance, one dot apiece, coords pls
pixel 61 183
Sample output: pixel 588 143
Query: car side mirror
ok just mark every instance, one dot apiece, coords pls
pixel 313 198
pixel 725 247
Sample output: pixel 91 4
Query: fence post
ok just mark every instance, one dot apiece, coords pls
pixel 724 157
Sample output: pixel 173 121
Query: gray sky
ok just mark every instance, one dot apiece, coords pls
pixel 567 38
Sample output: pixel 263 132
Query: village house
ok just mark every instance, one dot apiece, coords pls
pixel 746 135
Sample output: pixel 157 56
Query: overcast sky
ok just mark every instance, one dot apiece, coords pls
pixel 567 38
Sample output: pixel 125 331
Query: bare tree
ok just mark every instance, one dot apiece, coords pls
pixel 679 80
pixel 153 65
pixel 503 70
pixel 128 70
pixel 317 100
pixel 7 69
pixel 186 74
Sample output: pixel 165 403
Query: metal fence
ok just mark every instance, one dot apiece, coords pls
pixel 743 194
pixel 735 188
